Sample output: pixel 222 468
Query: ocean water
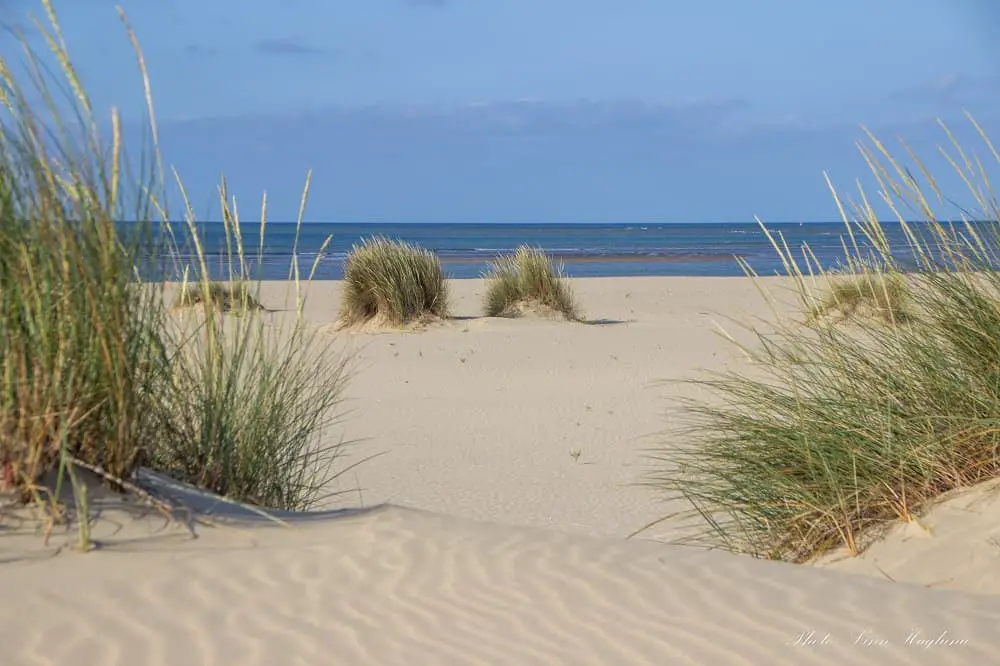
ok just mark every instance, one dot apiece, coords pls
pixel 585 250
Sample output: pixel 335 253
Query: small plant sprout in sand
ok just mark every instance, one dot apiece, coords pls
pixel 575 454
pixel 391 283
pixel 528 281
pixel 226 297
pixel 883 296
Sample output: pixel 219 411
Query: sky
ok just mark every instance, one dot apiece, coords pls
pixel 535 110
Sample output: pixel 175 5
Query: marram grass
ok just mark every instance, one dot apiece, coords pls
pixel 392 283
pixel 227 297
pixel 96 373
pixel 840 431
pixel 871 294
pixel 527 280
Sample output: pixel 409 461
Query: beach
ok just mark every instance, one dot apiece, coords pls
pixel 339 405
pixel 490 524
pixel 482 417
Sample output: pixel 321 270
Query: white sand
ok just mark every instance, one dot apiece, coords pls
pixel 478 419
pixel 954 545
pixel 397 586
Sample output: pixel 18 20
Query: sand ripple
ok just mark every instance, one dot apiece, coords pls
pixel 396 586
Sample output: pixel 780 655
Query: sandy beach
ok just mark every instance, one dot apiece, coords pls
pixel 491 526
pixel 479 417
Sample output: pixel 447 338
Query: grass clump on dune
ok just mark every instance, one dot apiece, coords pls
pixel 842 430
pixel 94 372
pixel 392 283
pixel 81 353
pixel 250 411
pixel 226 297
pixel 252 399
pixel 527 281
pixel 870 294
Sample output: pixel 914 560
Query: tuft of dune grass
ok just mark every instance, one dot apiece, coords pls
pixel 527 280
pixel 82 357
pixel 392 283
pixel 224 296
pixel 92 373
pixel 840 431
pixel 882 296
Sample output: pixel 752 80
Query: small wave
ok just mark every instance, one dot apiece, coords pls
pixel 511 250
pixel 480 255
pixel 266 258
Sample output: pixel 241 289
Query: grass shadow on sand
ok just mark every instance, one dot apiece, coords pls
pixel 156 511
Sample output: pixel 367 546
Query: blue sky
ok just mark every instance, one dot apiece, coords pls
pixel 537 110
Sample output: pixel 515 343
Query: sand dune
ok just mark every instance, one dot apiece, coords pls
pixel 955 544
pixel 514 448
pixel 398 586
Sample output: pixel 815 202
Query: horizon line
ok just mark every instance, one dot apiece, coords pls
pixel 557 224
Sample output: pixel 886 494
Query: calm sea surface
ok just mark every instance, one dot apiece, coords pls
pixel 586 250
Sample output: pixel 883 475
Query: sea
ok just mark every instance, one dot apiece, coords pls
pixel 584 250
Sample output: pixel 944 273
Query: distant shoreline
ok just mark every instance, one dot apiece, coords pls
pixel 623 258
pixel 585 250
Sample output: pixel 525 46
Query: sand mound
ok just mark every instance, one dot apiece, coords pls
pixel 955 544
pixel 377 325
pixel 535 309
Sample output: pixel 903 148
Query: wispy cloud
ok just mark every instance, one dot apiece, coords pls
pixel 951 91
pixel 286 46
pixel 200 51
pixel 709 118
